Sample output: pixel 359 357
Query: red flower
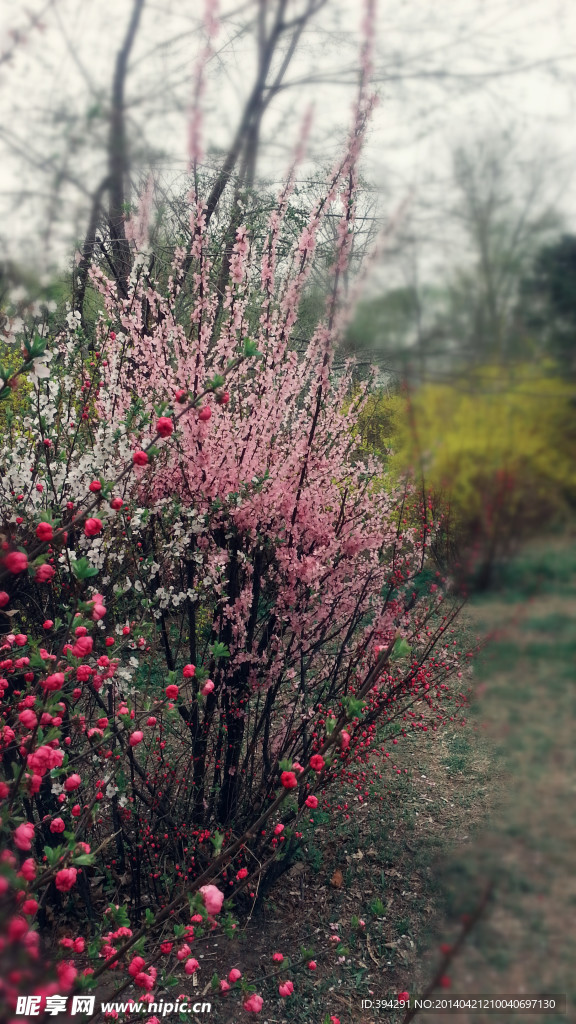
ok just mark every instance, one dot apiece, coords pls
pixel 116 503
pixel 288 780
pixel 286 989
pixel 311 801
pixel 95 486
pixel 136 738
pixel 16 561
pixel 44 531
pixel 403 997
pixel 253 1004
pixel 140 458
pixel 92 527
pixel 181 396
pixel 164 426
pixel 189 671
pixel 172 691
pixel 66 879
pixel 23 835
pixel 316 762
pixel 4 598
pixel 44 574
pixel 205 414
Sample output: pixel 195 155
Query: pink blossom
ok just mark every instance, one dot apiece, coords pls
pixel 28 718
pixel 73 782
pixel 4 598
pixel 172 691
pixel 253 1004
pixel 23 836
pixel 135 738
pixel 92 527
pixel 234 975
pixel 66 879
pixel 140 458
pixel 213 898
pixel 316 762
pixel 164 426
pixel 189 671
pixel 224 986
pixel 207 688
pixel 191 966
pixel 44 531
pixel 311 801
pixel 16 562
pixel 286 989
pixel 288 780
pixel 57 825
pixel 205 414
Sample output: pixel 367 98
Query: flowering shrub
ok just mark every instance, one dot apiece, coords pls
pixel 221 615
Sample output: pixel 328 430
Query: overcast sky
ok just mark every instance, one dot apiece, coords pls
pixel 447 74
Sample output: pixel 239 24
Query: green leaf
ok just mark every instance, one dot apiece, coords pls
pixel 250 349
pixel 219 650
pixel 83 570
pixel 401 649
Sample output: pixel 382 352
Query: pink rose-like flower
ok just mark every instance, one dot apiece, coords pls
pixel 205 414
pixel 53 682
pixel 181 396
pixel 189 671
pixel 207 688
pixel 403 997
pixel 278 829
pixel 57 825
pixel 44 574
pixel 224 987
pixel 28 718
pixel 278 958
pixel 83 647
pixel 164 426
pixel 311 801
pixel 44 531
pixel 191 966
pixel 172 691
pixel 116 504
pixel 48 623
pixel 234 975
pixel 316 762
pixel 213 898
pixel 95 486
pixel 312 965
pixel 136 965
pixel 29 908
pixel 286 989
pixel 136 738
pixel 344 740
pixel 28 869
pixel 184 952
pixel 66 879
pixel 15 562
pixel 288 780
pixel 140 458
pixel 253 1004
pixel 23 835
pixel 92 527
pixel 4 598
